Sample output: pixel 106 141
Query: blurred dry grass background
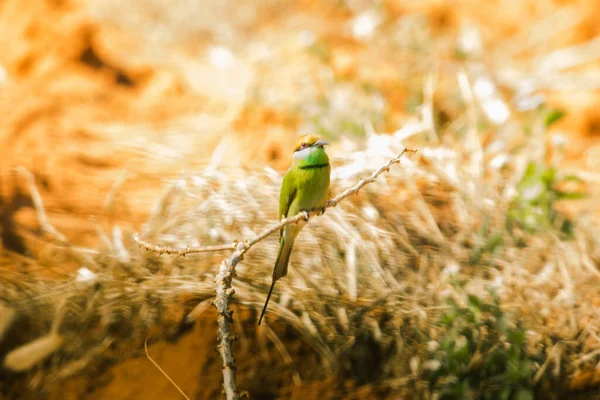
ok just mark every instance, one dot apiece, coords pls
pixel 177 119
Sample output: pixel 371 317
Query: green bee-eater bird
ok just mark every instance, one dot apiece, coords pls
pixel 305 187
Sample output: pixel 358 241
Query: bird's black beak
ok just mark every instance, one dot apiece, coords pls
pixel 321 143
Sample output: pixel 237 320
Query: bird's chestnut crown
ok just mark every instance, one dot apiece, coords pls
pixel 309 141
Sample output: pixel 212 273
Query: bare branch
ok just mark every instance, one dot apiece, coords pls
pixel 182 252
pixel 225 338
pixel 354 189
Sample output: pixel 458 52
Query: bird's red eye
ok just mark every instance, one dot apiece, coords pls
pixel 303 145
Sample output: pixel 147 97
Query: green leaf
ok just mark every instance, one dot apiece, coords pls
pixel 530 176
pixel 549 176
pixel 505 394
pixel 570 195
pixel 502 324
pixel 523 394
pixel 567 229
pixel 475 256
pixel 351 127
pixel 462 355
pixel 494 242
pixel 320 50
pixel 525 369
pixel 475 301
pixel 447 319
pixel 460 54
pixel 517 337
pixel 553 117
pixel 467 314
pixel 496 362
pixel 572 178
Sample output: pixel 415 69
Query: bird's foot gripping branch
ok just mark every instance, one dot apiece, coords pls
pixel 224 277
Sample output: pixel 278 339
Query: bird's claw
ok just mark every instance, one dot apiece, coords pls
pixel 321 210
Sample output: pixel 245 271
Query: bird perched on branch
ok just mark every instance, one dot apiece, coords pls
pixel 305 187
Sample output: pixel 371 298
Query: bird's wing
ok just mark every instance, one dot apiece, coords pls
pixel 287 194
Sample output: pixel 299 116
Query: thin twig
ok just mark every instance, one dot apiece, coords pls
pixel 427 112
pixel 44 221
pixel 182 252
pixel 162 371
pixel 354 189
pixel 38 204
pixel 111 197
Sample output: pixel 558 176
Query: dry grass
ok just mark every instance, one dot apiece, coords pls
pixel 378 268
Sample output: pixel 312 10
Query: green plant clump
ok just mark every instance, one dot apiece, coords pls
pixel 480 354
pixel 533 208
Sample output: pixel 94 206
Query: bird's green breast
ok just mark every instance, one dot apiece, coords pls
pixel 311 176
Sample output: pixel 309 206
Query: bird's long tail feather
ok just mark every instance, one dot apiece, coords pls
pixel 266 302
pixel 280 269
pixel 283 258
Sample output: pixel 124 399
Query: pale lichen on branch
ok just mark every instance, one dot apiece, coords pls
pixel 226 272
